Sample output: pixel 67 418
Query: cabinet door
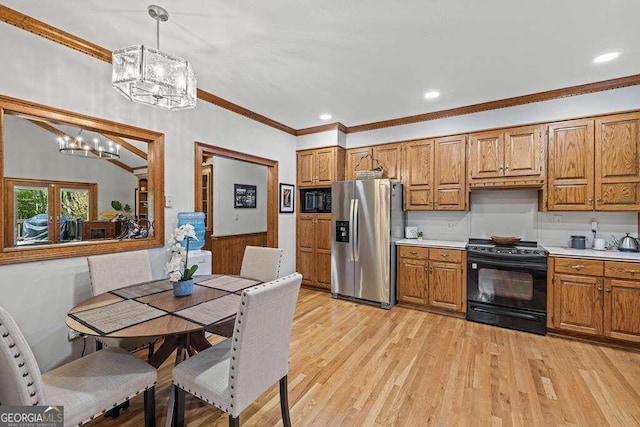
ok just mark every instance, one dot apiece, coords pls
pixel 323 251
pixel 578 303
pixel 418 181
pixel 325 166
pixel 523 151
pixel 389 156
pixel 306 169
pixel 305 241
pixel 445 285
pixel 621 304
pixel 412 281
pixel 617 162
pixel 449 176
pixel 486 155
pixel 570 171
pixel 357 160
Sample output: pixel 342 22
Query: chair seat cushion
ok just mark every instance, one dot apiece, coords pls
pixel 206 375
pixel 95 383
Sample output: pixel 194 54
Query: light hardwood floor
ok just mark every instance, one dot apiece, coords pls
pixel 355 365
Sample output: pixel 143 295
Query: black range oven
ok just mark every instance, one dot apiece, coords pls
pixel 507 285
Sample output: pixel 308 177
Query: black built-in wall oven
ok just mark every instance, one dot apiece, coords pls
pixel 507 285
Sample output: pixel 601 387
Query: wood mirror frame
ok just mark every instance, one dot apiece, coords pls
pixel 155 173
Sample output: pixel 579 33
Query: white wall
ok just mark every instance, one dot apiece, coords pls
pixel 40 294
pixel 32 152
pixel 558 109
pixel 228 220
pixel 515 213
pixel 321 139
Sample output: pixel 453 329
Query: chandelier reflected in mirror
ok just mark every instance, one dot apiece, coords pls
pixel 98 147
pixel 149 76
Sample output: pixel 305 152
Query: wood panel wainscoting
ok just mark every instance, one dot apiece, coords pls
pixel 227 251
pixel 403 367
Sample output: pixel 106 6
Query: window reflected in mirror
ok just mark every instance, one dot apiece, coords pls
pixel 77 182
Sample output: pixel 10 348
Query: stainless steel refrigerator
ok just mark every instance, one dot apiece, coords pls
pixel 367 219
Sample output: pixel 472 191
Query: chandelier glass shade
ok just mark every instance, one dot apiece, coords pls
pixel 149 76
pixel 98 147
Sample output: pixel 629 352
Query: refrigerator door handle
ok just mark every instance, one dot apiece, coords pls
pixel 356 235
pixel 351 252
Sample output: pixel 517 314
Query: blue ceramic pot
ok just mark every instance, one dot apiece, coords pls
pixel 183 288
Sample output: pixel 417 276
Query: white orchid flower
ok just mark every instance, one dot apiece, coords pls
pixel 175 276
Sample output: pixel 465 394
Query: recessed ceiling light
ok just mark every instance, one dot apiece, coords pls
pixel 432 94
pixel 325 116
pixel 609 56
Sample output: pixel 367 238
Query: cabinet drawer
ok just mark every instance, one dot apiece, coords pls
pixel 622 270
pixel 446 255
pixel 579 266
pixel 413 252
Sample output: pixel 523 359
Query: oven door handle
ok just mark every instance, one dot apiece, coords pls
pixel 501 312
pixel 509 264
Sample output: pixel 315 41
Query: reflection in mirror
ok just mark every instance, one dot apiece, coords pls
pixel 61 181
pixel 71 180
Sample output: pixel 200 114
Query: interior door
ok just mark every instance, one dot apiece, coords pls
pixel 372 267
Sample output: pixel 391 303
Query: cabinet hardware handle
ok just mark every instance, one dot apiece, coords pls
pixel 506 168
pixel 591 200
pixel 577 266
pixel 608 289
pixel 430 269
pixel 632 271
pixel 444 255
pixel 501 167
pixel 598 200
pixel 600 288
pixel 413 253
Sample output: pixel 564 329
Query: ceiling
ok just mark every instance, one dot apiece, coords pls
pixel 366 61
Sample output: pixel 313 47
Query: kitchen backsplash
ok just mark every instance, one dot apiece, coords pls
pixel 515 213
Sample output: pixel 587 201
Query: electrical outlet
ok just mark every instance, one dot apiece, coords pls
pixel 594 226
pixel 449 224
pixel 557 219
pixel 73 334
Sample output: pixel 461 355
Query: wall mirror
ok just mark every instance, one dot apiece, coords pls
pixel 75 185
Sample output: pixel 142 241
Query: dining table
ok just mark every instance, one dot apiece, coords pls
pixel 150 309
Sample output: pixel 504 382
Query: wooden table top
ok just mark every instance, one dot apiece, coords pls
pixel 151 309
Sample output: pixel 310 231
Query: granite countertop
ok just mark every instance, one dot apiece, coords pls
pixel 612 254
pixel 432 243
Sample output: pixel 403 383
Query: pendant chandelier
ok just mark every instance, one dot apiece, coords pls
pixel 149 76
pixel 97 147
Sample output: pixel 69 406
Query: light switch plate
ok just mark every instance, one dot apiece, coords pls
pixel 168 201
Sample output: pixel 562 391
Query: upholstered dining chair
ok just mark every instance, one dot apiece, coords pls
pixel 113 271
pixel 233 373
pixel 261 263
pixel 86 388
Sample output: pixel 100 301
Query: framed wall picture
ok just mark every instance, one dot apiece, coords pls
pixel 244 196
pixel 287 194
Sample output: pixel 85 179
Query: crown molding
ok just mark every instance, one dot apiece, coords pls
pixel 56 35
pixel 322 128
pixel 503 103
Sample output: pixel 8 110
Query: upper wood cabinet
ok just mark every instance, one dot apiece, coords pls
pixel 435 171
pixel 358 159
pixel 389 156
pixel 617 162
pixel 595 164
pixel 508 153
pixel 320 167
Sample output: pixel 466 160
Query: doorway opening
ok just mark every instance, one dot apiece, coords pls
pixel 228 250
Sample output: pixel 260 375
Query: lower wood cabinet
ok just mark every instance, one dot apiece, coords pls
pixel 431 278
pixel 599 298
pixel 314 250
